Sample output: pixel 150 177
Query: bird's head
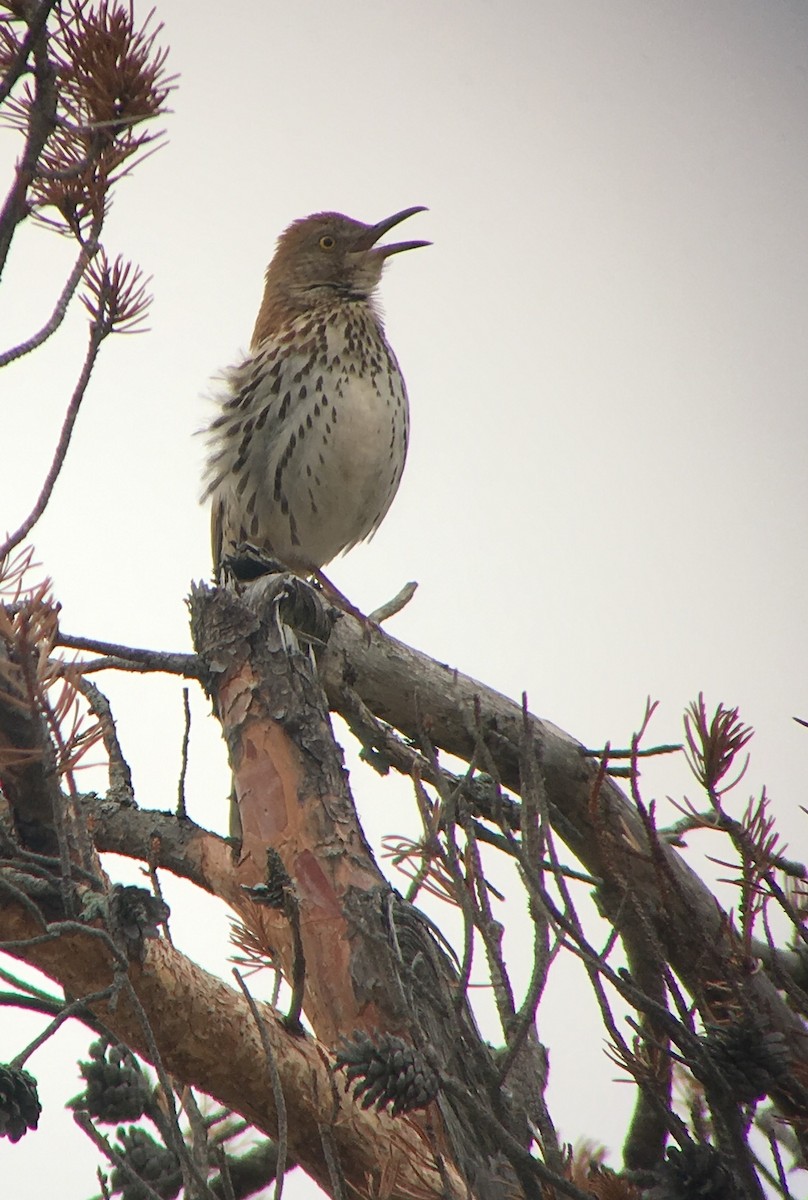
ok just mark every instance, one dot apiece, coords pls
pixel 326 256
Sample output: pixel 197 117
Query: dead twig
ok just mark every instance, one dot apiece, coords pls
pixel 395 605
pixel 277 1089
pixel 97 336
pixel 136 658
pixel 182 811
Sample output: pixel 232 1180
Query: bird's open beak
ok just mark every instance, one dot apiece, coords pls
pixel 370 236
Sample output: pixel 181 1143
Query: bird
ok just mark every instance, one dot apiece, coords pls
pixel 307 448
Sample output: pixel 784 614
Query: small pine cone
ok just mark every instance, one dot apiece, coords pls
pixel 117 1090
pixel 272 891
pixel 19 1102
pixel 156 1165
pixel 389 1071
pixel 135 914
pixel 695 1172
pixel 749 1058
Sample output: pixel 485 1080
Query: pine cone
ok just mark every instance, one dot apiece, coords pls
pixel 695 1172
pixel 156 1165
pixel 135 913
pixel 389 1071
pixel 748 1057
pixel 272 891
pixel 117 1090
pixel 19 1102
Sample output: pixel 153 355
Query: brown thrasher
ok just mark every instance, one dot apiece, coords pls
pixel 308 448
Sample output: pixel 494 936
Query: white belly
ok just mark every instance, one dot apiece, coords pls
pixel 312 441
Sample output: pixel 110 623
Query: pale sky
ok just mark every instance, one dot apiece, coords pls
pixel 606 355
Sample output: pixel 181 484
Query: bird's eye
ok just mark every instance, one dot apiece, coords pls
pixel 327 242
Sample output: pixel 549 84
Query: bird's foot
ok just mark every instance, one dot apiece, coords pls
pixel 247 563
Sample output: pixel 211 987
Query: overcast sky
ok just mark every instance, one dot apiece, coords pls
pixel 606 355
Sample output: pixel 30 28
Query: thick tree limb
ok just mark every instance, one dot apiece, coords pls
pixel 292 794
pixel 207 1038
pixel 370 962
pixel 412 692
